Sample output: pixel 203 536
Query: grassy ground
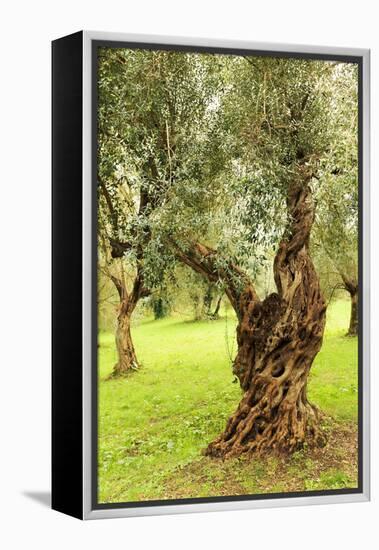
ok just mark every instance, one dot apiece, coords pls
pixel 154 424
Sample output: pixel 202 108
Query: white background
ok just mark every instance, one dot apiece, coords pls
pixel 26 31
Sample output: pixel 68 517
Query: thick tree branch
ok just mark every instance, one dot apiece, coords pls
pixel 208 263
pixel 108 200
pixel 350 283
pixel 120 287
pixel 119 248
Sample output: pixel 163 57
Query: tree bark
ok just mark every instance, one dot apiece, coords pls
pixel 351 286
pixel 207 301
pixel 353 326
pixel 127 360
pixel 209 312
pixel 215 314
pixel 278 339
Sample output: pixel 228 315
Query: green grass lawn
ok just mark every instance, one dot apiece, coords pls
pixel 154 424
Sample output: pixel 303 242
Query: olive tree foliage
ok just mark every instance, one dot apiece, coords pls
pixel 274 114
pixel 195 146
pixel 280 109
pixel 158 128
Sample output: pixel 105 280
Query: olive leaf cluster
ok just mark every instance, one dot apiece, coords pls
pixel 203 147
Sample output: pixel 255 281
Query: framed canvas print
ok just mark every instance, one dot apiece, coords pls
pixel 210 275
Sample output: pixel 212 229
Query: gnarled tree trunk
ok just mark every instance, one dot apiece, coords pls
pixel 278 339
pixel 127 360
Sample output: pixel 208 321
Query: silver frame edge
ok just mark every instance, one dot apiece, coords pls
pixel 88 512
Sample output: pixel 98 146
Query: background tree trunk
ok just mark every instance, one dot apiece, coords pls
pixel 160 308
pixel 351 286
pixel 209 297
pixel 353 326
pixel 215 314
pixel 127 360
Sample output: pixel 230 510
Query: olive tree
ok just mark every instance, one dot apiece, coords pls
pixel 228 155
pixel 280 119
pixel 155 127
